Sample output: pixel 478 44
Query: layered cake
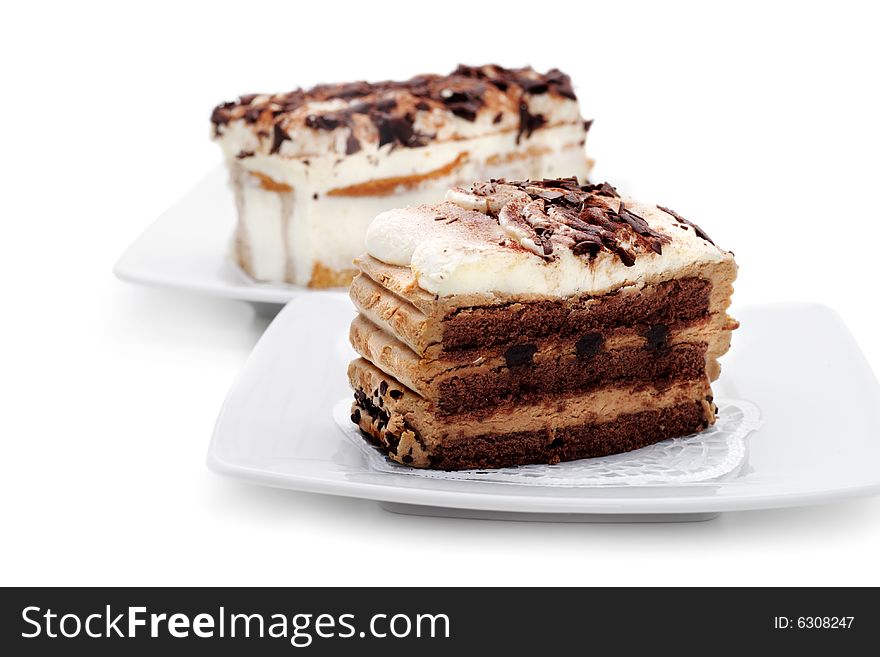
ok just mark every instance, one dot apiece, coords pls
pixel 535 322
pixel 311 168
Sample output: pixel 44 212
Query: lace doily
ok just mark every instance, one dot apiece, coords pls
pixel 711 454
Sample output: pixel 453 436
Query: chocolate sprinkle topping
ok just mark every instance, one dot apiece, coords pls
pixel 323 121
pixel 397 130
pixel 528 122
pixel 221 114
pixel 352 145
pixel 464 93
pixel 699 231
pixel 279 136
pixel 584 218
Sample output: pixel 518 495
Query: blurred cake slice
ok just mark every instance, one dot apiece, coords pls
pixel 311 169
pixel 535 322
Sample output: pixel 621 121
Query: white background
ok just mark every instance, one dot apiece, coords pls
pixel 761 122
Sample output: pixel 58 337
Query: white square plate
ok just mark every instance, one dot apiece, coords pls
pixel 188 247
pixel 819 400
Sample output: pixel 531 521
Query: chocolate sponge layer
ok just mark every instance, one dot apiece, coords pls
pixel 658 367
pixel 624 433
pixel 669 302
pixel 465 332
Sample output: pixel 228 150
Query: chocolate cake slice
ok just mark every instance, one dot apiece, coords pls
pixel 535 322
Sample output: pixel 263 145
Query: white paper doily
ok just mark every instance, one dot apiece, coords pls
pixel 710 454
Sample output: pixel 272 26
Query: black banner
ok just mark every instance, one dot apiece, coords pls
pixel 333 621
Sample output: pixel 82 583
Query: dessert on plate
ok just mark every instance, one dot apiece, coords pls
pixel 535 322
pixel 311 168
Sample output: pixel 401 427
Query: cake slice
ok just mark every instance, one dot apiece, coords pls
pixel 311 168
pixel 535 322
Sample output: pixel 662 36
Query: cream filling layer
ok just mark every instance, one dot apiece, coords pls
pixel 288 232
pixel 327 171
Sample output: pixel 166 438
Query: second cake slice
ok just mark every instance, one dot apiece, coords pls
pixel 535 322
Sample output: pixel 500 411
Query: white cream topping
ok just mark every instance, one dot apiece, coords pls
pixel 331 171
pixel 466 256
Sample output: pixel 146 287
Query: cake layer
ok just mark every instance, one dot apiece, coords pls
pixel 525 371
pixel 568 427
pixel 625 433
pixel 669 303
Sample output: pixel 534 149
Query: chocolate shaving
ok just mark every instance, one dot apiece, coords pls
pixel 535 87
pixel 699 231
pixel 279 136
pixel 590 247
pixel 221 116
pixel 528 122
pixel 550 194
pixel 352 145
pixel 344 90
pixel 464 94
pixel 584 218
pixel 396 130
pixel 385 105
pixel 627 258
pixel 323 121
pixel 641 227
pixel 560 83
pixel 602 189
